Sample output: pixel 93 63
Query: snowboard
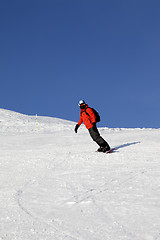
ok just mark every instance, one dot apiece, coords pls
pixel 111 150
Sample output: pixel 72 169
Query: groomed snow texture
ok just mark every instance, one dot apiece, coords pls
pixel 55 186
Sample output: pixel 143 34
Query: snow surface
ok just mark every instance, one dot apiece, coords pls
pixel 54 186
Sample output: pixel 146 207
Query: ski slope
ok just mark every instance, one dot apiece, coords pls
pixel 54 186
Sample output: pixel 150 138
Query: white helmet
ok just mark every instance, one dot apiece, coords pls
pixel 81 102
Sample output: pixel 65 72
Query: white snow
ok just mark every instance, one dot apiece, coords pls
pixel 54 186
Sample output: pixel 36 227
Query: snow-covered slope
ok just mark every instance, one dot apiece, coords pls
pixel 15 122
pixel 54 186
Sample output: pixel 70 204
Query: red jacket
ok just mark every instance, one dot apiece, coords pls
pixel 87 119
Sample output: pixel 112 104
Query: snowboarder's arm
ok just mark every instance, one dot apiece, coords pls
pixel 78 124
pixel 80 121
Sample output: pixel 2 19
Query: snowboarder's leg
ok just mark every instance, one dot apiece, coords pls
pixel 95 135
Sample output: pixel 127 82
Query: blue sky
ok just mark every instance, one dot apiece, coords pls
pixel 55 52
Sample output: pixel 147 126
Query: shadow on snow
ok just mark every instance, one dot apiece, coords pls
pixel 126 145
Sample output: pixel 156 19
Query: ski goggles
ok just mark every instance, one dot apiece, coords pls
pixel 82 104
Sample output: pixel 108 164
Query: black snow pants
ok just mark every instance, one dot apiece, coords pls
pixel 95 135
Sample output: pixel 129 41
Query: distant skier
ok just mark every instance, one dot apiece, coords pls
pixel 88 117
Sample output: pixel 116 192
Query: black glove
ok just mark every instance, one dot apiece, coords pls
pixel 76 128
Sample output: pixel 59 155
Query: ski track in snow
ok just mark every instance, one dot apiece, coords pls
pixel 54 185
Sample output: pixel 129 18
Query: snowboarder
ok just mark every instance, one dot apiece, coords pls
pixel 87 116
